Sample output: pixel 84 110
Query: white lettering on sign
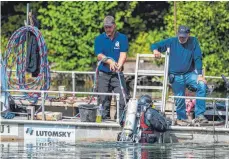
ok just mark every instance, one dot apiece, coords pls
pixel 9 129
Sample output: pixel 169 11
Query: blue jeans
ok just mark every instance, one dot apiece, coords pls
pixel 178 86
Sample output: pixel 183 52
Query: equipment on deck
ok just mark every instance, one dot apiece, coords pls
pixel 218 108
pixel 95 84
pixel 132 131
pixel 27 52
pixel 141 124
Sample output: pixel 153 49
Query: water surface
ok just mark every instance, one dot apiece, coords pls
pixel 117 150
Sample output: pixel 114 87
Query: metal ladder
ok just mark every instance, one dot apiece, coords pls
pixel 154 73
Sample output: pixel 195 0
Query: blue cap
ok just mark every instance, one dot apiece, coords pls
pixel 183 31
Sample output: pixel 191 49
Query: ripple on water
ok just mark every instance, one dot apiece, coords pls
pixel 115 150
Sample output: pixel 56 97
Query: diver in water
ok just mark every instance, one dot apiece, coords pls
pixel 150 120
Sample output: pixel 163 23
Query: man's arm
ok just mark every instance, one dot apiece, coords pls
pixel 160 46
pixel 100 56
pixel 198 61
pixel 122 60
pixel 197 57
pixel 123 53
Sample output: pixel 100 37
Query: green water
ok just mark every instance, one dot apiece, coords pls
pixel 100 150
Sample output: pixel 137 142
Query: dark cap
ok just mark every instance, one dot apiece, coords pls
pixel 183 31
pixel 108 21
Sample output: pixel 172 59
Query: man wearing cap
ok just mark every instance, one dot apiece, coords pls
pixel 111 47
pixel 185 70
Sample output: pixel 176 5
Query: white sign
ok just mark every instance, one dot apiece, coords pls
pixel 9 129
pixel 47 135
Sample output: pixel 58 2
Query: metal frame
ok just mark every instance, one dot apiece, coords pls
pixel 68 92
pixel 118 98
pixel 155 73
pixel 141 73
pixel 203 98
pixel 101 125
pixel 165 82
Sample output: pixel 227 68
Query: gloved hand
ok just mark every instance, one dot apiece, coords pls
pixel 8 115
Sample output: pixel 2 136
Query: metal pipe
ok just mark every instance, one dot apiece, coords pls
pixel 64 92
pixel 150 87
pixel 151 72
pixel 182 128
pixel 27 23
pixel 108 125
pixel 227 105
pixel 125 73
pixel 173 119
pixel 69 117
pixel 73 82
pixel 27 14
pixel 175 17
pixel 76 72
pixel 203 98
pixel 117 99
pixel 149 55
pixel 215 77
pixel 19 113
pixel 165 82
pixel 214 107
pixel 136 76
pixel 43 105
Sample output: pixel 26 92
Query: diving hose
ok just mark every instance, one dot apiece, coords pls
pixel 95 84
pixel 130 109
pixel 15 57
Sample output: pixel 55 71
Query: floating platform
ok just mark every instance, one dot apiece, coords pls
pixel 39 132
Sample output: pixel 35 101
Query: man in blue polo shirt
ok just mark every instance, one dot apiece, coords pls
pixel 185 70
pixel 114 45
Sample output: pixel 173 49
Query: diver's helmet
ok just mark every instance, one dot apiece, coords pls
pixel 144 102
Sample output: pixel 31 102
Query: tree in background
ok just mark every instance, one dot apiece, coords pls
pixel 152 15
pixel 209 22
pixel 70 28
pixel 13 15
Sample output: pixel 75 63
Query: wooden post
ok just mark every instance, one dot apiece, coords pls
pixel 175 17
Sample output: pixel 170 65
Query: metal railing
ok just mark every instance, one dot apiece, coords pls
pixel 203 98
pixel 117 95
pixel 141 73
pixel 147 73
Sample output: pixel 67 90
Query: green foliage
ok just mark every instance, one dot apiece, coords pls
pixel 11 21
pixel 144 40
pixel 70 28
pixel 209 22
pixel 152 27
pixel 4 41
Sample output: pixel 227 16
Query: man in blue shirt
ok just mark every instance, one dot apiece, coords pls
pixel 185 70
pixel 114 46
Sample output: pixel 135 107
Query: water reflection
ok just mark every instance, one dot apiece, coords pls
pixel 114 150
